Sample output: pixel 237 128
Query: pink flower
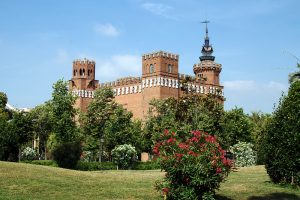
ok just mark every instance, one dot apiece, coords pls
pixel 171 140
pixel 183 146
pixel 218 170
pixel 165 190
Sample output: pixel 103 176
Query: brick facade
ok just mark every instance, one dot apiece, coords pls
pixel 160 79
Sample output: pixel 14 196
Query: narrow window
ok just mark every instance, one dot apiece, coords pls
pixel 151 69
pixel 74 73
pixel 88 72
pixel 80 72
pixel 170 68
pixel 83 72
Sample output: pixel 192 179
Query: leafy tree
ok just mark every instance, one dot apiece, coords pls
pixel 293 77
pixel 3 100
pixel 107 124
pixel 63 112
pixel 98 113
pixel 282 141
pixel 190 112
pixel 237 127
pixel 42 125
pixel 259 122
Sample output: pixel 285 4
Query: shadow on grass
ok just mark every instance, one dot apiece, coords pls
pixel 220 197
pixel 276 196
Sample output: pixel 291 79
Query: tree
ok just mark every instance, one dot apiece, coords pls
pixel 293 77
pixel 282 141
pixel 237 127
pixel 98 113
pixel 63 112
pixel 259 122
pixel 3 100
pixel 190 112
pixel 42 125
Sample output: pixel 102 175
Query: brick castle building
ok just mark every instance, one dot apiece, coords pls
pixel 160 79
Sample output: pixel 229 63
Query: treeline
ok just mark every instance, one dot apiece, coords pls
pixel 64 134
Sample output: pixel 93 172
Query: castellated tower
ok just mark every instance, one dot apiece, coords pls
pixel 207 71
pixel 83 82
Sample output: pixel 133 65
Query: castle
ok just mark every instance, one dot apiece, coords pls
pixel 160 79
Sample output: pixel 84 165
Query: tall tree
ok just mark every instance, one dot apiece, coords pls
pixel 3 100
pixel 282 141
pixel 237 127
pixel 63 112
pixel 98 113
pixel 42 125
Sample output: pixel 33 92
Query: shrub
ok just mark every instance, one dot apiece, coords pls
pixel 150 165
pixel 94 166
pixel 51 163
pixel 124 156
pixel 282 140
pixel 244 154
pixel 194 163
pixel 67 154
pixel 28 154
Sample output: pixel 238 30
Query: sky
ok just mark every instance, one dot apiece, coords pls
pixel 257 43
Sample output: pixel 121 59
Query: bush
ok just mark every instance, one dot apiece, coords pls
pixel 282 140
pixel 51 163
pixel 150 165
pixel 28 154
pixel 195 165
pixel 94 166
pixel 67 154
pixel 244 154
pixel 124 156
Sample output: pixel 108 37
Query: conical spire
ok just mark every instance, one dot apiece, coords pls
pixel 207 49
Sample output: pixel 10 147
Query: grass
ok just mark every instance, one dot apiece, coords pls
pixel 25 181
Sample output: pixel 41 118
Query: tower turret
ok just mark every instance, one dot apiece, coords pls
pixel 207 70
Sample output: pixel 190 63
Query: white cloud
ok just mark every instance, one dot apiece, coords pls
pixel 158 9
pixel 252 95
pixel 239 85
pixel 62 56
pixel 107 30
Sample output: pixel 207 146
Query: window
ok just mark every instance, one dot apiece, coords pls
pixel 88 72
pixel 83 72
pixel 151 69
pixel 170 68
pixel 74 73
pixel 80 72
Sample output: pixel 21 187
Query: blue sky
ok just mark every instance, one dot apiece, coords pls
pixel 254 41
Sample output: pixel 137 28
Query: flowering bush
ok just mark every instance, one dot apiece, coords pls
pixel 124 155
pixel 28 154
pixel 244 154
pixel 194 163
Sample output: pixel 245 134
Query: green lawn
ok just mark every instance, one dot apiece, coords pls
pixel 26 181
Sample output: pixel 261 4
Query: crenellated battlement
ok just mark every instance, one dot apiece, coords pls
pixel 207 66
pixel 160 54
pixel 84 61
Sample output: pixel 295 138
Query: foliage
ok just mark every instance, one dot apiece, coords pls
pixel 293 77
pixel 95 166
pixel 63 112
pixel 237 127
pixel 98 113
pixel 28 154
pixel 42 126
pixel 3 100
pixel 51 163
pixel 194 163
pixel 124 156
pixel 107 124
pixel 244 154
pixel 67 154
pixel 190 112
pixel 149 165
pixel 282 141
pixel 259 122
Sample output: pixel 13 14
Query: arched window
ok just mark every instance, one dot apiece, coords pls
pixel 83 72
pixel 151 69
pixel 74 73
pixel 88 72
pixel 170 68
pixel 80 72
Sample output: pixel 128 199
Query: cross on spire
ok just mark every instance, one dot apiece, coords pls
pixel 206 30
